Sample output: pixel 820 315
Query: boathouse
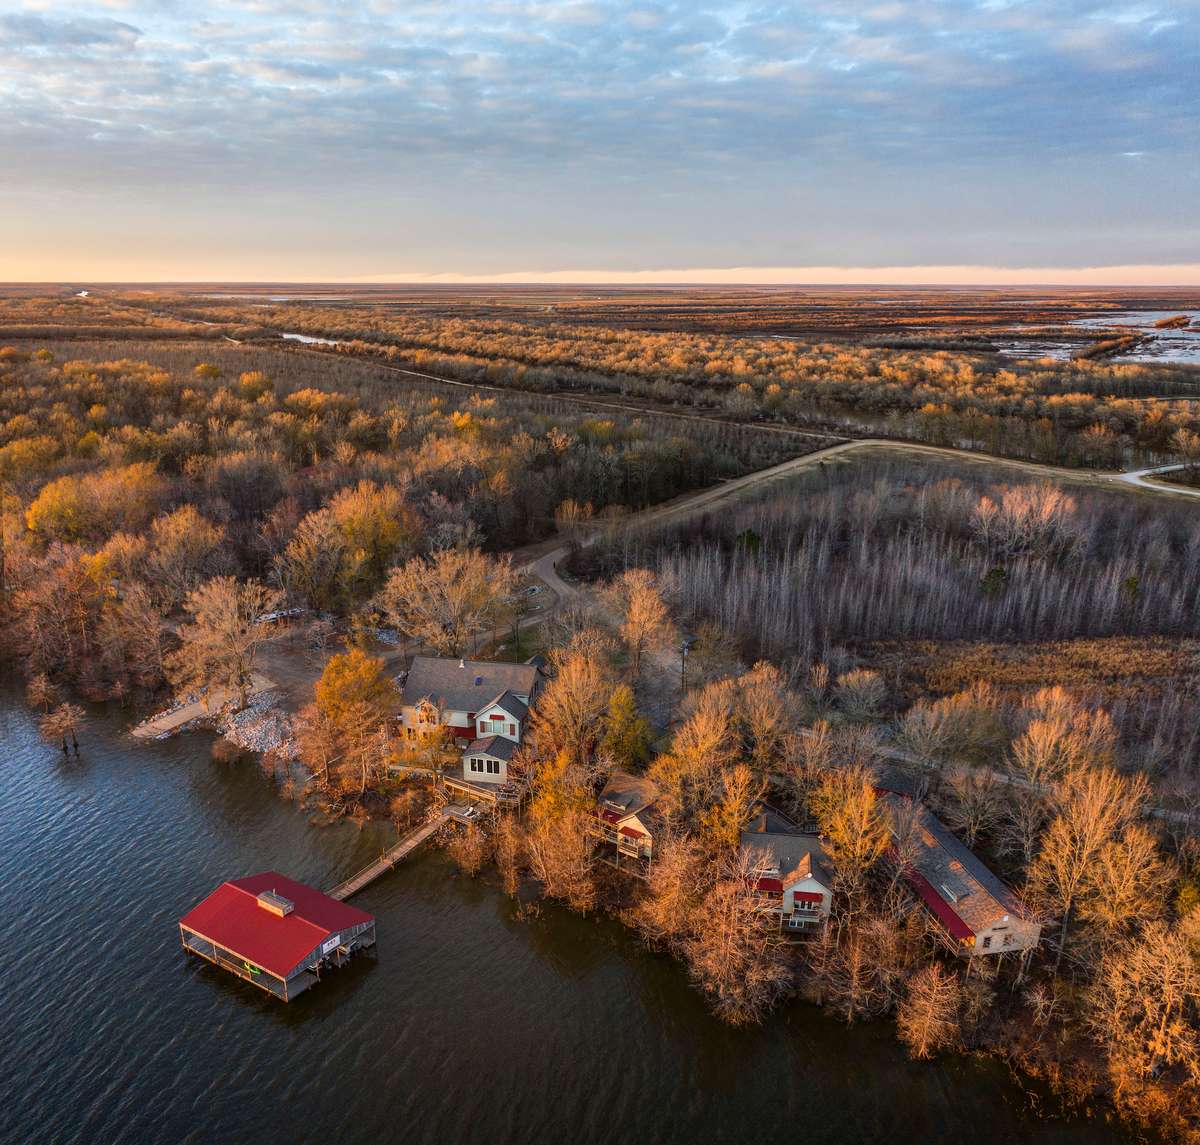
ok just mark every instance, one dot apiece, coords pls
pixel 275 932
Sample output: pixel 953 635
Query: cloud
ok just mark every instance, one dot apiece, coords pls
pixel 866 117
pixel 28 30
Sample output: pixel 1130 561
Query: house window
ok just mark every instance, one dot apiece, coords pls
pixel 476 764
pixel 811 907
pixel 1007 940
pixel 411 733
pixel 512 729
pixel 987 942
pixel 493 766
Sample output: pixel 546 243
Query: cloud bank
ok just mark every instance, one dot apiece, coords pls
pixel 300 138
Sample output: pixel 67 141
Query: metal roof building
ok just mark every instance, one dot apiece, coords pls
pixel 275 932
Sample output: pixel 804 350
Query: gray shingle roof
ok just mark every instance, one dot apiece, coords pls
pixel 797 856
pixel 632 793
pixel 452 683
pixel 510 702
pixel 959 877
pixel 496 746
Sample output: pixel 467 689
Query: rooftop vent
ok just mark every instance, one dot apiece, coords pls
pixel 276 904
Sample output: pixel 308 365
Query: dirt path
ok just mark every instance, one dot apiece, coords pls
pixel 1135 479
pixel 1144 479
pixel 544 564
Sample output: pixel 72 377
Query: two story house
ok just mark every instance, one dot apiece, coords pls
pixel 790 870
pixel 624 822
pixel 483 706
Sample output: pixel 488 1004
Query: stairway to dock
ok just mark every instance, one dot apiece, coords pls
pixel 401 849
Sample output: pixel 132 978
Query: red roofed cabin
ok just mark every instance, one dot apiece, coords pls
pixel 275 932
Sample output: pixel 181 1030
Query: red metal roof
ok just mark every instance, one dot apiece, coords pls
pixel 633 833
pixel 941 908
pixel 808 896
pixel 772 886
pixel 232 918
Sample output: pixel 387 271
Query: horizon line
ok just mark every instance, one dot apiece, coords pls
pixel 1184 275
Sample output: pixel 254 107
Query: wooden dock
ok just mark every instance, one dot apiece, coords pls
pixel 399 850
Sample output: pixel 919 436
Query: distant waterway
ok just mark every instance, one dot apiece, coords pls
pixel 472 1025
pixel 1174 345
pixel 309 339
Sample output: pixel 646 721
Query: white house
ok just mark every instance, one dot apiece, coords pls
pixel 486 760
pixel 505 717
pixel 791 870
pixel 471 699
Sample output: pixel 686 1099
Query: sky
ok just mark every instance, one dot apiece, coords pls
pixel 587 140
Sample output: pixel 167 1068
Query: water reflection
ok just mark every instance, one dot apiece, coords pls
pixel 471 1024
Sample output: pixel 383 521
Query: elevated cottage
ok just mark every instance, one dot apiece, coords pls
pixel 791 870
pixel 470 699
pixel 624 822
pixel 979 911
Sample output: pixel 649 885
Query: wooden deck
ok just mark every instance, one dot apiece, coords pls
pixel 394 854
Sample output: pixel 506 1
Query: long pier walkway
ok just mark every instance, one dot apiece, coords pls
pixel 399 850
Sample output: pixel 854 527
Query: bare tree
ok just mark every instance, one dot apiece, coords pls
pixel 469 849
pixel 665 911
pixel 1092 808
pixel 860 693
pixel 571 710
pixel 63 723
pixel 41 692
pixel 734 952
pixel 972 803
pixel 508 846
pixel 927 1020
pixel 219 644
pixel 560 856
pixel 722 822
pixel 852 819
pixel 768 712
pixel 1143 1007
pixel 1125 885
pixel 645 618
pixel 689 775
pixel 444 599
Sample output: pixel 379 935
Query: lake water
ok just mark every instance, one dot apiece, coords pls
pixel 470 1026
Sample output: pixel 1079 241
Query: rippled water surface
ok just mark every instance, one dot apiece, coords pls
pixel 471 1026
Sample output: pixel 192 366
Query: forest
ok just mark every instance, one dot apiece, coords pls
pixel 1082 412
pixel 126 484
pixel 864 563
